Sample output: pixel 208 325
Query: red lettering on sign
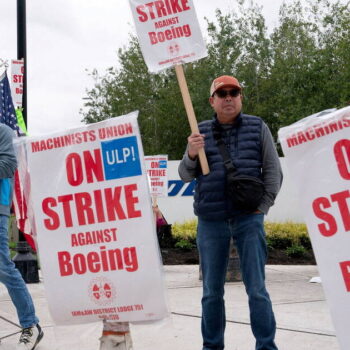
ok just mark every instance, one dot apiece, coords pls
pixel 105 260
pixel 74 169
pixel 65 200
pixel 113 204
pixel 94 237
pixel 131 200
pixel 156 172
pixel 63 141
pixel 341 199
pixel 54 222
pixel 345 269
pixel 66 268
pixel 91 163
pixel 17 78
pixel 115 131
pixel 170 34
pixel 330 227
pixel 143 16
pixel 342 156
pixel 83 204
pixel 103 205
pixel 100 213
pixel 93 166
pixel 161 8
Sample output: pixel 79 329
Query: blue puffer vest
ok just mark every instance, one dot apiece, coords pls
pixel 244 144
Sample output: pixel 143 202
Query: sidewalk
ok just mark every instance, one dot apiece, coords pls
pixel 302 315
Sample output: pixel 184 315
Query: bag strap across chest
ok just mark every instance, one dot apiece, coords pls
pixel 217 134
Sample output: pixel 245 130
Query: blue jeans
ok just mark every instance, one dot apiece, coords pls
pixel 213 240
pixel 14 282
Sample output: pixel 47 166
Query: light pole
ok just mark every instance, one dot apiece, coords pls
pixel 22 49
pixel 24 260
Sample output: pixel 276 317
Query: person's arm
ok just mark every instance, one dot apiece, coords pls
pixel 8 162
pixel 271 170
pixel 188 168
pixel 160 221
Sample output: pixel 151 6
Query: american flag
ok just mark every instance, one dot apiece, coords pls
pixel 7 110
pixel 8 117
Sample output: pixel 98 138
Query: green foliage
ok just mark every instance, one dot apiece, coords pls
pixel 281 236
pixel 12 245
pixel 184 234
pixel 304 76
pixel 186 230
pixel 304 240
pixel 184 244
pixel 284 235
pixel 282 241
pixel 300 68
pixel 296 251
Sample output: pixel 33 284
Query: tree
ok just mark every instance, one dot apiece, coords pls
pixel 305 72
pixel 131 88
pixel 302 67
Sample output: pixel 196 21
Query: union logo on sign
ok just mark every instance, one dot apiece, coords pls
pixel 174 49
pixel 102 291
pixel 121 158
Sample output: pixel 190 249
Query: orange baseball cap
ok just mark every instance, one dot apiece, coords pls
pixel 224 81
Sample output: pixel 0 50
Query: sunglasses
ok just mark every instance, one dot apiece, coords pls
pixel 224 93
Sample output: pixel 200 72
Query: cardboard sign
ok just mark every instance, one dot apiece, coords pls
pixel 157 170
pixel 317 151
pixel 17 74
pixel 95 228
pixel 168 32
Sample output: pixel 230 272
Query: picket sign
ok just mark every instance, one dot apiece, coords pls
pixel 17 76
pixel 95 227
pixel 317 152
pixel 169 35
pixel 157 172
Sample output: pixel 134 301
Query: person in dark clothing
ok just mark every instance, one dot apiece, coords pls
pixel 9 275
pixel 251 149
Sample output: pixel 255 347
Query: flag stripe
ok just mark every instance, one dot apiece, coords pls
pixel 8 117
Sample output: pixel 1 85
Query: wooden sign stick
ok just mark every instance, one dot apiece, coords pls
pixel 190 114
pixel 154 201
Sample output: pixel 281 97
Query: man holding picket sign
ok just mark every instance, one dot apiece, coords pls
pixel 245 177
pixel 169 35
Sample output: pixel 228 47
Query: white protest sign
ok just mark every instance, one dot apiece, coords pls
pixel 157 170
pixel 168 32
pixel 17 74
pixel 317 151
pixel 95 227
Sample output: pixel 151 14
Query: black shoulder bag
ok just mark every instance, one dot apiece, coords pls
pixel 245 191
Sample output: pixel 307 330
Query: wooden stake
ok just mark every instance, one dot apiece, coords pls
pixel 190 114
pixel 154 201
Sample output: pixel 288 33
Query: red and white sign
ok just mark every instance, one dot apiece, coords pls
pixel 168 32
pixel 317 151
pixel 95 227
pixel 157 171
pixel 17 74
